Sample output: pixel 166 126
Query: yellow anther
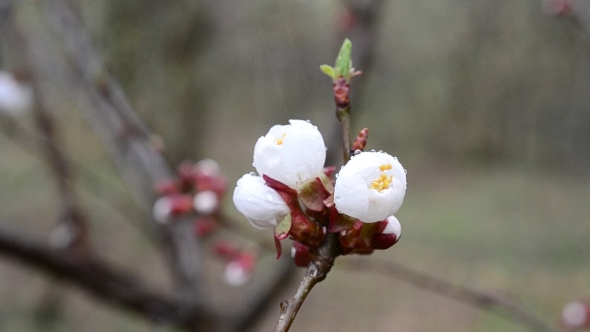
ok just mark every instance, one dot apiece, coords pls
pixel 385 167
pixel 382 182
pixel 279 141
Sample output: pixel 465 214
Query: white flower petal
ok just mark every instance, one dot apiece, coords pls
pixel 291 154
pixel 262 205
pixel 353 193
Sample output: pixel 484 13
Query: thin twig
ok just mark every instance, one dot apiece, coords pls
pixel 501 307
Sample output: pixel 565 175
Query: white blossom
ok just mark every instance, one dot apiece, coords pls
pixel 262 205
pixel 15 97
pixel 291 154
pixel 370 187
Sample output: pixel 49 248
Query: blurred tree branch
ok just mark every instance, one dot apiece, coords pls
pixel 103 281
pixel 477 299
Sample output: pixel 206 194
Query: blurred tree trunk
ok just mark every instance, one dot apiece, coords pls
pixel 156 48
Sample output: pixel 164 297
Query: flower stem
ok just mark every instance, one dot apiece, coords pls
pixel 289 308
pixel 315 273
pixel 343 115
pixel 342 100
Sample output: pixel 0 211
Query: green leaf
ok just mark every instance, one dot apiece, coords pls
pixel 343 61
pixel 328 70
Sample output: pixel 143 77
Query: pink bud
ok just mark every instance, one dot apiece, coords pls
pixel 167 187
pixel 168 207
pixel 225 249
pixel 239 271
pixel 204 226
pixel 576 315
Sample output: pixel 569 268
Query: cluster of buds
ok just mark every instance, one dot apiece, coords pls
pixel 576 316
pixel 197 189
pixel 300 199
pixel 16 95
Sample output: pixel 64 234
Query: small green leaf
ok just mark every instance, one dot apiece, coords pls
pixel 328 70
pixel 343 61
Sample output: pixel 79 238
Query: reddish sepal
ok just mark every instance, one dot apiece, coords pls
pixel 278 246
pixel 302 255
pixel 312 195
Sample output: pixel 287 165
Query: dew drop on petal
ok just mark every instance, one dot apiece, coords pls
pixel 337 197
pixel 336 175
pixel 380 151
pixel 253 164
pixel 307 121
pixel 395 158
pixel 252 174
pixel 357 152
pixel 405 171
pixel 372 150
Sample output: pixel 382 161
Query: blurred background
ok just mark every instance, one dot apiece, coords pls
pixel 485 103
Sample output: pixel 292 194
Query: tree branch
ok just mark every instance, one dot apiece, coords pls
pixel 101 280
pixel 501 307
pixel 129 142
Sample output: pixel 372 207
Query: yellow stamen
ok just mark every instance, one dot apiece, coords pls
pixel 385 167
pixel 383 181
pixel 279 141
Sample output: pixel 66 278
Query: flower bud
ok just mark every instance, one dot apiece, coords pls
pixel 576 315
pixel 291 154
pixel 370 187
pixel 168 207
pixel 389 236
pixel 206 202
pixel 262 205
pixel 204 225
pixel 16 97
pixel 239 271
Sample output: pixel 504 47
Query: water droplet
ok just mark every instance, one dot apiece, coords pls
pixel 307 121
pixel 252 173
pixel 380 151
pixel 372 150
pixel 394 158
pixel 253 164
pixel 336 175
pixel 337 197
pixel 405 171
pixel 357 152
